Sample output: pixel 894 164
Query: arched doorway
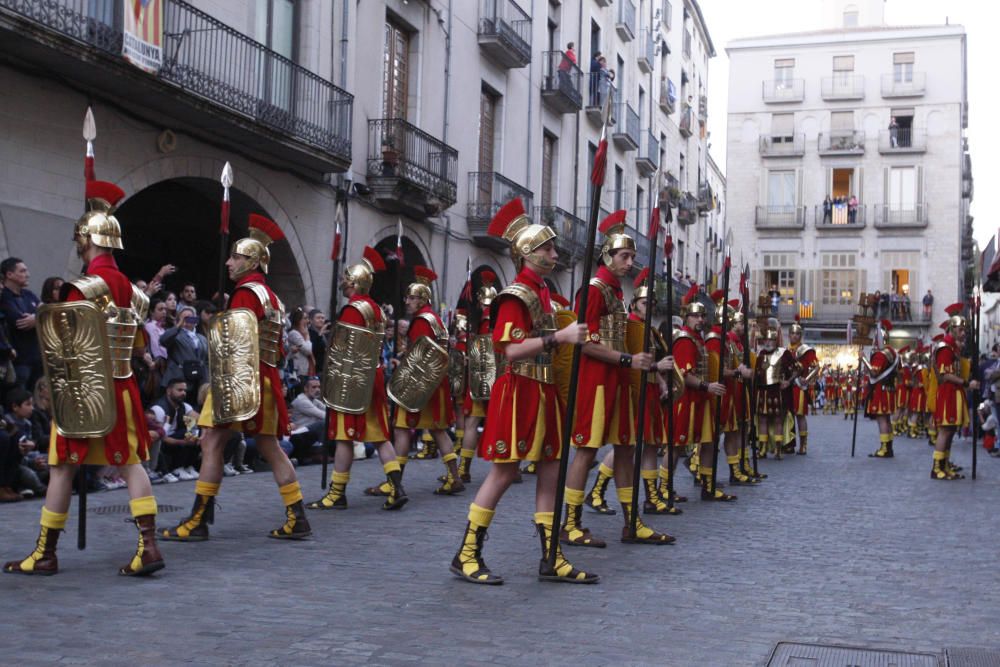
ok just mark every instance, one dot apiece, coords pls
pixel 177 222
pixel 389 286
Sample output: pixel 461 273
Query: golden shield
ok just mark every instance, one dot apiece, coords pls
pixel 351 363
pixel 562 357
pixel 234 365
pixel 456 372
pixel 77 361
pixel 482 366
pixel 419 374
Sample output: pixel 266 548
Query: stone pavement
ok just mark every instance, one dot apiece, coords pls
pixel 829 549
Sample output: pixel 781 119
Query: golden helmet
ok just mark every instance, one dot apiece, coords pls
pixel 461 321
pixel 98 224
pixel 689 303
pixel 360 275
pixel 513 225
pixel 263 232
pixel 487 292
pixel 796 326
pixel 736 315
pixel 640 286
pixel 421 285
pixel 613 228
pixel 955 317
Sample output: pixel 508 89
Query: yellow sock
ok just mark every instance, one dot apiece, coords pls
pixel 467 453
pixel 481 517
pixel 54 520
pixel 884 437
pixel 544 518
pixel 573 496
pixel 449 457
pixel 143 506
pixel 340 478
pixel 390 467
pixel 940 456
pixel 206 488
pixel 648 474
pixel 605 470
pixel 290 493
pixel 705 471
pixel 625 496
pixel 401 460
pixel 664 474
pixel 733 459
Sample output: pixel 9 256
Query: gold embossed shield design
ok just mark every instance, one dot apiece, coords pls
pixel 456 373
pixel 482 367
pixel 419 373
pixel 234 365
pixel 77 361
pixel 351 362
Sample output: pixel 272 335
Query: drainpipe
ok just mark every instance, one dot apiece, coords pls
pixel 576 159
pixel 527 153
pixel 343 46
pixel 444 138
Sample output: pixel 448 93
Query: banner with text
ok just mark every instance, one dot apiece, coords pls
pixel 142 43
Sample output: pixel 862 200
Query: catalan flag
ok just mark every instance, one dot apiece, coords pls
pixel 142 44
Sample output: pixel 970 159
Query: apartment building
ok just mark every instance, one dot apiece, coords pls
pixel 873 117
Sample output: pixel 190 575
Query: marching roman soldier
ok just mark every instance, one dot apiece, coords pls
pixel 605 412
pixel 733 403
pixel 245 353
pixel 482 373
pixel 525 412
pixel 420 386
pixel 774 372
pixel 354 386
pixel 951 410
pixel 694 412
pixel 848 388
pixel 808 368
pixel 904 379
pixel 917 400
pixel 87 342
pixel 882 368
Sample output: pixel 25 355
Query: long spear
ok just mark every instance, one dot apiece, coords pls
pixel 335 253
pixel 668 253
pixel 227 182
pixel 726 270
pixel 976 302
pixel 89 134
pixel 640 437
pixel 597 179
pixel 858 401
pixel 745 422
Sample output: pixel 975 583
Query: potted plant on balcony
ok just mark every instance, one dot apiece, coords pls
pixel 390 156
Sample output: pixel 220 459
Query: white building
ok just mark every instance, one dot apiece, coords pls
pixel 431 113
pixel 862 110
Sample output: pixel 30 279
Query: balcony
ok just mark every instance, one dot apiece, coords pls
pixel 902 140
pixel 625 24
pixel 793 145
pixel 625 131
pixel 840 219
pixel 783 91
pixel 687 210
pixel 703 108
pixel 647 51
pixel 687 44
pixel 641 240
pixel 505 33
pixel 648 160
pixel 777 216
pixel 561 83
pixel 686 125
pixel 599 86
pixel 488 191
pixel 571 233
pixel 668 97
pixel 841 142
pixel 913 84
pixel 409 171
pixel 706 199
pixel 842 87
pixel 214 82
pixel 901 216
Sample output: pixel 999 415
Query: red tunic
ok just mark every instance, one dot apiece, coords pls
pixel 882 395
pixel 903 388
pixel 524 417
pixel 271 417
pixel 439 413
pixel 604 413
pixel 771 399
pixel 801 396
pixel 917 401
pixel 128 441
pixel 734 401
pixel 693 416
pixel 470 407
pixel 372 425
pixel 830 388
pixel 951 408
pixel 655 432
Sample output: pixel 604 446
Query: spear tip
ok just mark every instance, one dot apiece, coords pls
pixel 227 176
pixel 89 126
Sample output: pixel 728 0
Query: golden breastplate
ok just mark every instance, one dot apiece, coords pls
pixel 269 329
pixel 611 327
pixel 542 324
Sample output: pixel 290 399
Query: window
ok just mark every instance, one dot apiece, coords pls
pixel 850 16
pixel 782 127
pixel 275 28
pixel 902 195
pixel 395 71
pixel 781 191
pixel 619 194
pixel 843 63
pixel 838 279
pixel 641 215
pixel 902 67
pixel 488 101
pixel 779 272
pixel 843 73
pixel 784 69
pixel 548 167
pixel 842 129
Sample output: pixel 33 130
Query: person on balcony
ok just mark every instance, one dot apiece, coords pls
pixel 852 210
pixel 893 132
pixel 827 210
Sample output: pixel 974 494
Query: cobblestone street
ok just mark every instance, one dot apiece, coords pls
pixel 829 549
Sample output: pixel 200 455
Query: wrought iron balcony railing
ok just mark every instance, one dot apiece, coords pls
pixel 840 217
pixel 625 25
pixel 648 159
pixel 561 82
pixel 912 84
pixel 842 142
pixel 599 86
pixel 505 32
pixel 792 145
pixel 902 140
pixel 625 131
pixel 777 216
pixel 667 103
pixel 783 90
pixel 210 60
pixel 843 86
pixel 400 150
pixel 489 191
pixel 686 125
pixel 901 215
pixel 571 232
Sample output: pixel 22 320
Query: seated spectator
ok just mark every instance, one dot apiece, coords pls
pixel 187 351
pixel 307 416
pixel 32 467
pixel 180 440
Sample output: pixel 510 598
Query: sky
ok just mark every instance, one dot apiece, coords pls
pixel 735 19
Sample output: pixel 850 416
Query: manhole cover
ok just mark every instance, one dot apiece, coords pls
pixel 972 657
pixel 791 654
pixel 124 509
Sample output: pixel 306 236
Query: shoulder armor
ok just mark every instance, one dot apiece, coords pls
pixel 802 350
pixel 439 331
pixel 527 296
pixel 611 300
pixel 94 289
pixel 681 334
pixel 271 328
pixel 140 303
pixel 367 312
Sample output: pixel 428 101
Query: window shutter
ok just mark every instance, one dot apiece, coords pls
pixel 920 185
pixel 860 186
pixel 904 58
pixel 782 124
pixel 862 285
pixel 843 63
pixel 786 62
pixel 841 121
pixel 885 201
pixel 798 187
pixel 828 187
pixel 886 281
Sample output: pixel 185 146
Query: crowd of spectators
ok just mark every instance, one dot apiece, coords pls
pixel 170 364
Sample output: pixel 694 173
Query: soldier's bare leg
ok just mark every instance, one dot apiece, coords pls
pixel 803 427
pixel 213 442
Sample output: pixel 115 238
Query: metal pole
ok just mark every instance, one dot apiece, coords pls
pixel 977 393
pixel 726 270
pixel 857 402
